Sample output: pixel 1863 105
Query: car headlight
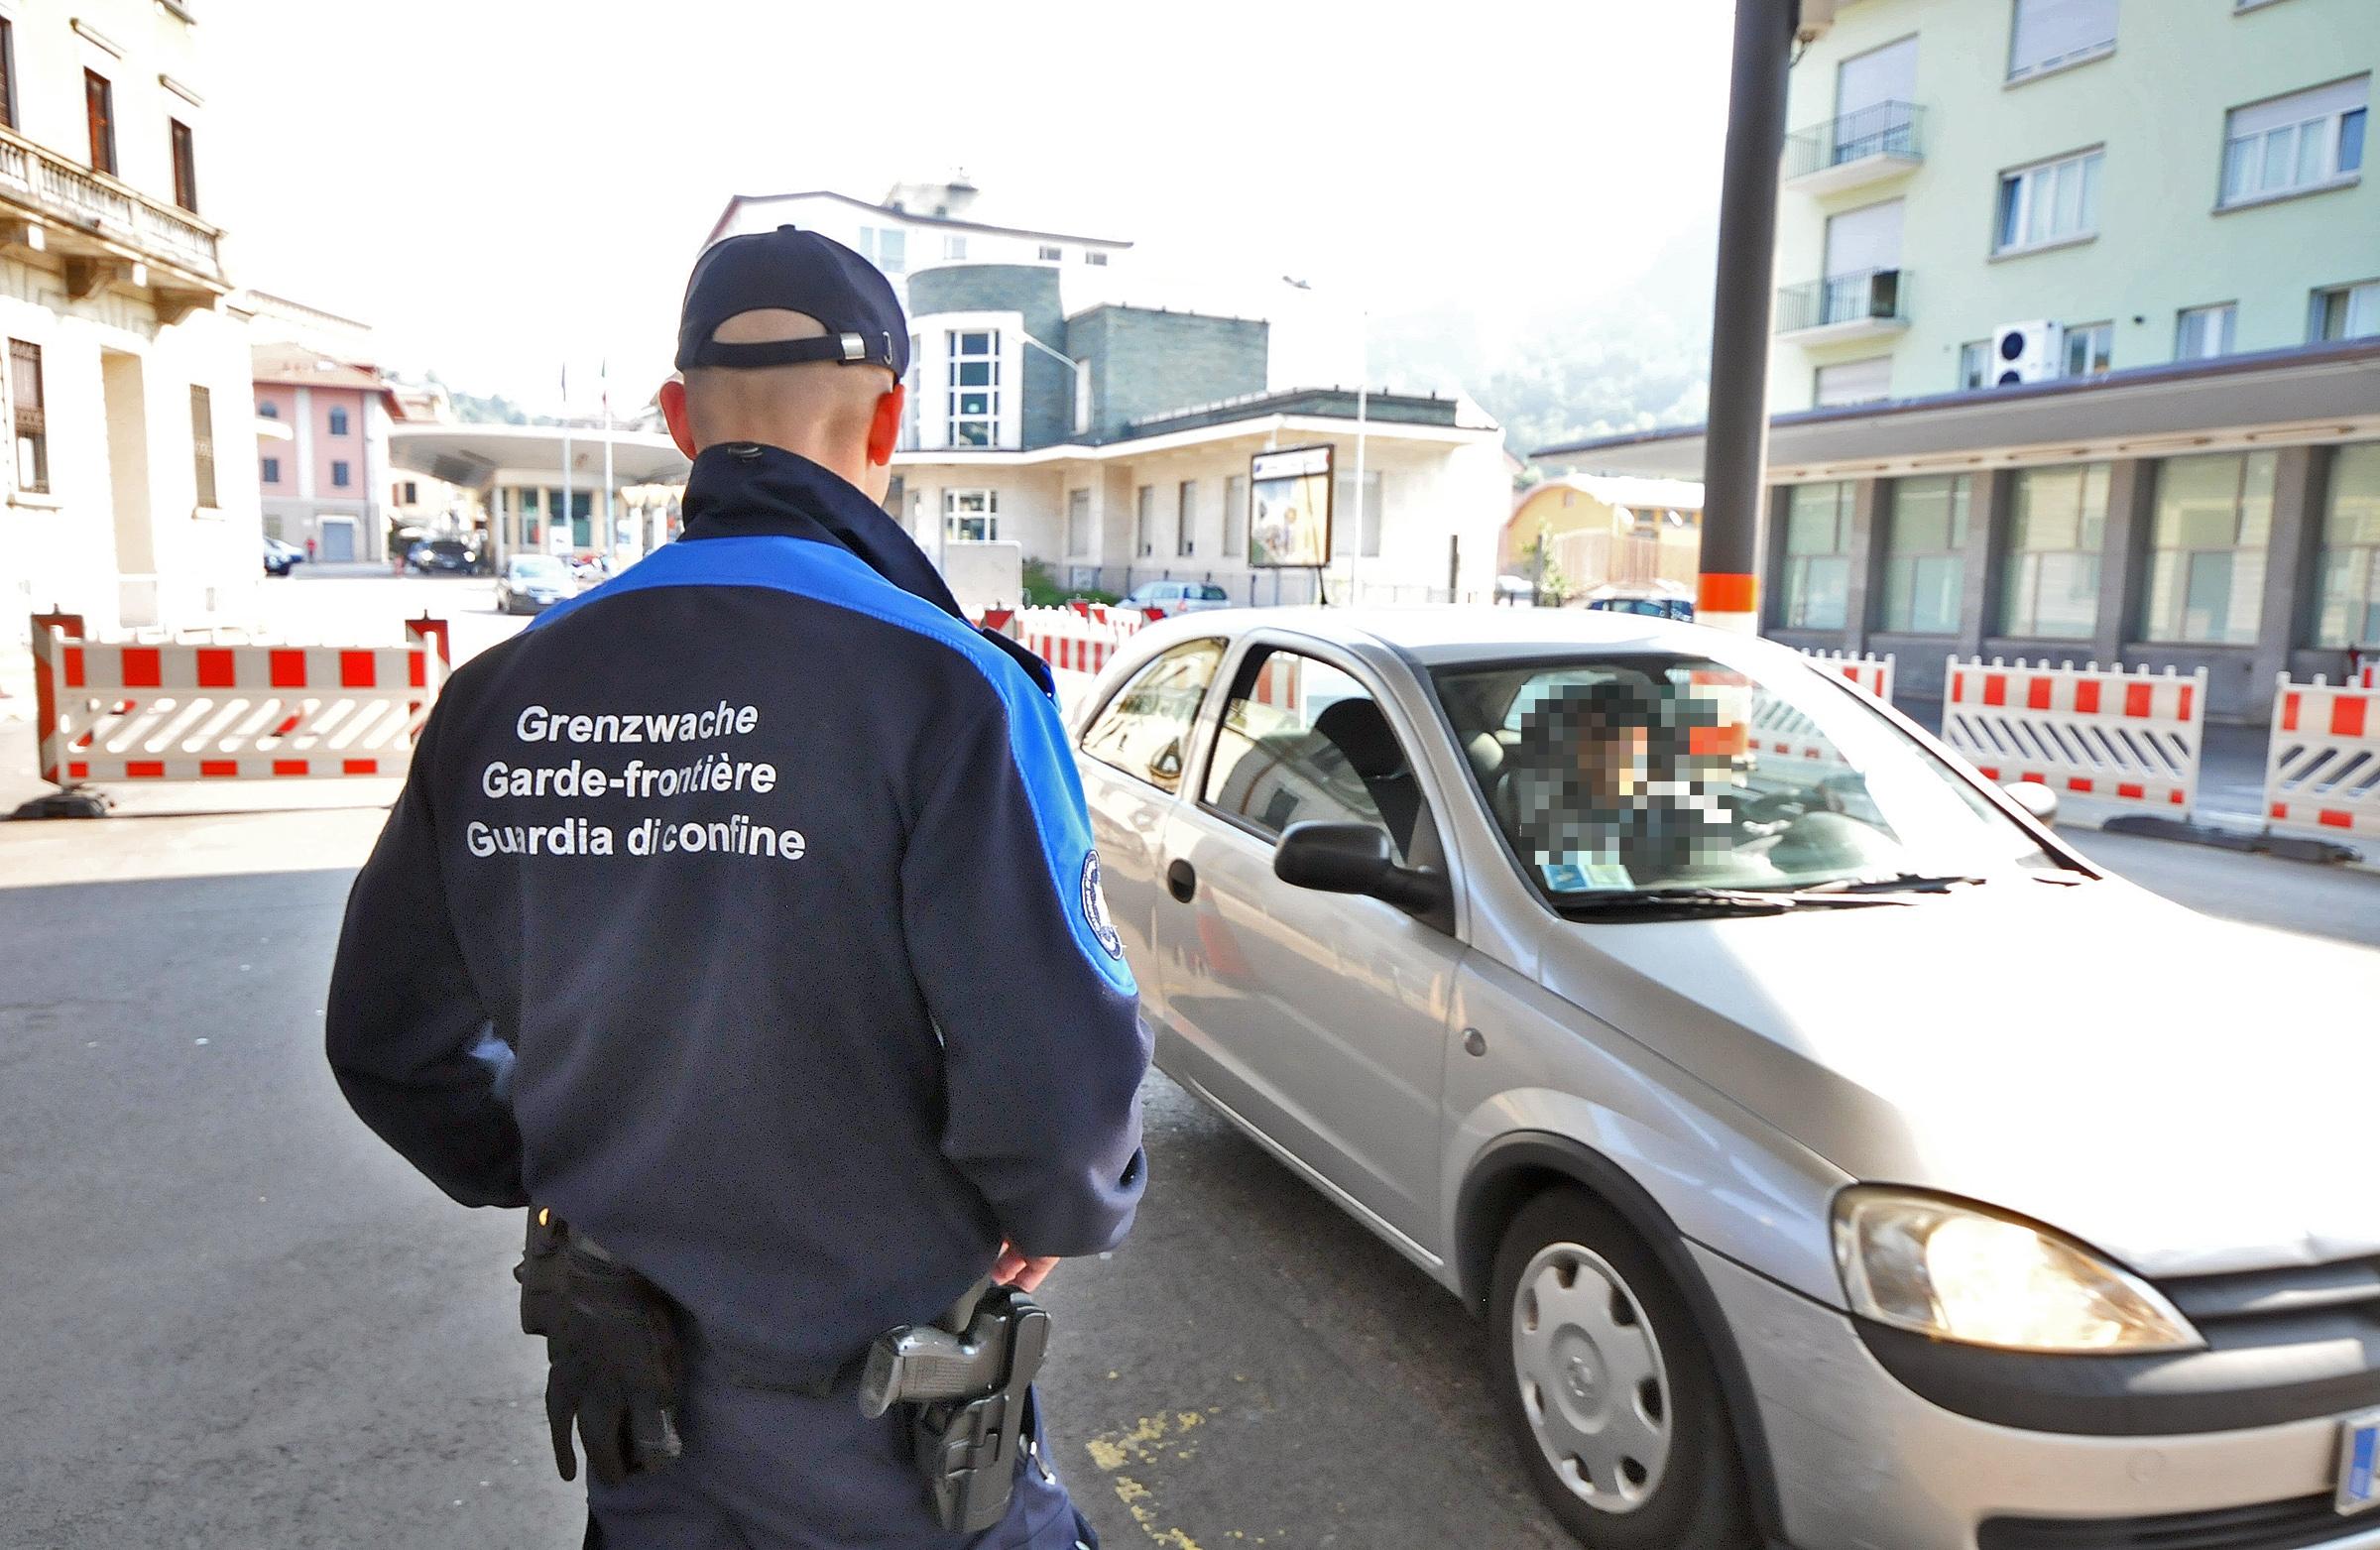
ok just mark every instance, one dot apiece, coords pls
pixel 1967 1273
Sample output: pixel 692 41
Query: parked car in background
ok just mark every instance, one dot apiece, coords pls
pixel 280 557
pixel 443 555
pixel 1838 1157
pixel 1166 599
pixel 1665 601
pixel 531 583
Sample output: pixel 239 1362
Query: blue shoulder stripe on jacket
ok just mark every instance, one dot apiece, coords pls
pixel 838 578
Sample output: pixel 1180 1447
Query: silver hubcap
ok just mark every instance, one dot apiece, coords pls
pixel 1591 1377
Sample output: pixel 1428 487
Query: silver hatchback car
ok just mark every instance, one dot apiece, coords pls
pixel 1838 1158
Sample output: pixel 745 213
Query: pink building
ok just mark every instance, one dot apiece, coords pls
pixel 326 481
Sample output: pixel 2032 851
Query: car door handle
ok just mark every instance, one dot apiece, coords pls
pixel 1181 880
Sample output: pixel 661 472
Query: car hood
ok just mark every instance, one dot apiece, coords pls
pixel 2189 1095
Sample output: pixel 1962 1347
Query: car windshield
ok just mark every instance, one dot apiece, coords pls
pixel 1632 771
pixel 536 567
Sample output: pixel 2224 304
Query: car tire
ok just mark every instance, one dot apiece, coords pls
pixel 1595 1360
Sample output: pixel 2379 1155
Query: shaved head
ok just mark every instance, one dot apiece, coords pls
pixel 829 411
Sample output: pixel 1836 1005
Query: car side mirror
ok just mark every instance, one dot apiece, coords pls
pixel 1354 858
pixel 2035 799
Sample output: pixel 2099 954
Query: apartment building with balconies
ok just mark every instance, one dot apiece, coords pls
pixel 2077 340
pixel 128 374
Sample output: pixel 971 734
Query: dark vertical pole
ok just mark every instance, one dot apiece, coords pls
pixel 1735 445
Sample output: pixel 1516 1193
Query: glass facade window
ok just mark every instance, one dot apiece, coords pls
pixel 1925 557
pixel 2044 34
pixel 2056 202
pixel 2207 555
pixel 2200 334
pixel 2089 349
pixel 2350 599
pixel 1975 364
pixel 2058 524
pixel 2306 140
pixel 1815 589
pixel 973 387
pixel 2346 312
pixel 971 516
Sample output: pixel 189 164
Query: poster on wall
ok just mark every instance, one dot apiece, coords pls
pixel 1289 509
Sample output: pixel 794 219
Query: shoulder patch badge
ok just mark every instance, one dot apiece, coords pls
pixel 1095 908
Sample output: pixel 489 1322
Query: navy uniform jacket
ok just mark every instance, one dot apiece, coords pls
pixel 743 911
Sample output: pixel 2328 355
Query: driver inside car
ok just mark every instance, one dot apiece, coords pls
pixel 1579 785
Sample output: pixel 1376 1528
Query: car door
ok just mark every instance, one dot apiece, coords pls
pixel 1320 1018
pixel 1133 749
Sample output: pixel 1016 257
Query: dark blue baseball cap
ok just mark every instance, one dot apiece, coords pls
pixel 800 272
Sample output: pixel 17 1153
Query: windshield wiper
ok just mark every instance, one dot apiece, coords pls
pixel 1898 882
pixel 1708 900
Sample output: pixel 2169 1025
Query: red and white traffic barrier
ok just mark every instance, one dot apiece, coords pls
pixel 1070 640
pixel 1870 672
pixel 201 710
pixel 2130 738
pixel 2322 769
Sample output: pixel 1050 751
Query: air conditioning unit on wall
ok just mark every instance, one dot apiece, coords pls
pixel 2025 352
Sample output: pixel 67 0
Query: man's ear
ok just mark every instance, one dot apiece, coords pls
pixel 673 409
pixel 884 431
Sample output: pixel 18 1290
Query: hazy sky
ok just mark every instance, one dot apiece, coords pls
pixel 502 184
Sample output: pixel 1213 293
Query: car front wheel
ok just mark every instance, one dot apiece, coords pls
pixel 1601 1376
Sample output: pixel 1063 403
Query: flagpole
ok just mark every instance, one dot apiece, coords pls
pixel 611 530
pixel 564 517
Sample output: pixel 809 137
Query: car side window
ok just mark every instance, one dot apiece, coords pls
pixel 1144 730
pixel 1301 740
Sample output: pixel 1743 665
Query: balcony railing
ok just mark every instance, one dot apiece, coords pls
pixel 1883 129
pixel 43 180
pixel 1879 298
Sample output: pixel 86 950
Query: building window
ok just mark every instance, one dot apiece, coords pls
pixel 2206 556
pixel 1092 257
pixel 99 109
pixel 1082 398
pixel 1234 514
pixel 2058 521
pixel 973 387
pixel 338 421
pixel 2047 35
pixel 412 492
pixel 2346 312
pixel 887 247
pixel 2089 349
pixel 186 167
pixel 2056 202
pixel 1145 521
pixel 1975 364
pixel 954 246
pixel 971 516
pixel 32 419
pixel 2350 606
pixel 339 475
pixel 2307 140
pixel 202 442
pixel 8 72
pixel 1185 518
pixel 1852 381
pixel 1816 585
pixel 268 410
pixel 1345 539
pixel 1925 562
pixel 270 471
pixel 1078 522
pixel 2200 334
pixel 1050 254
